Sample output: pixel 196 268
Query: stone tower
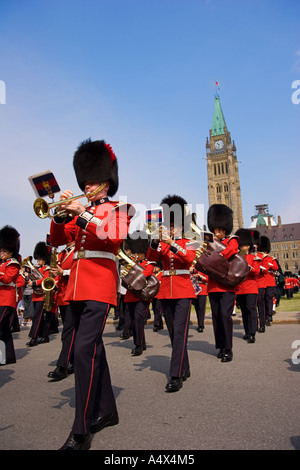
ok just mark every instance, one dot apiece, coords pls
pixel 222 167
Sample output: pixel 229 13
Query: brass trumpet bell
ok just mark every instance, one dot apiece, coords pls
pixel 42 208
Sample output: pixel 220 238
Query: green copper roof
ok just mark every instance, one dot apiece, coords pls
pixel 218 119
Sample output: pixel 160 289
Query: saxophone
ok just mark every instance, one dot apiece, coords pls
pixel 48 284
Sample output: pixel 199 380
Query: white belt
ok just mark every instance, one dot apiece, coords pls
pixel 10 284
pixel 84 254
pixel 175 272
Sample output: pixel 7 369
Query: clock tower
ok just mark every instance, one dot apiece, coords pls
pixel 222 167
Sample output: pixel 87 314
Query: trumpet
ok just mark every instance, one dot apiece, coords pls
pixel 49 284
pixel 33 275
pixel 42 208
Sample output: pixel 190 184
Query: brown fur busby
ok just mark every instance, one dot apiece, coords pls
pixel 174 210
pixel 10 240
pixel 264 244
pixel 220 216
pixel 245 237
pixel 95 162
pixel 42 251
pixel 137 242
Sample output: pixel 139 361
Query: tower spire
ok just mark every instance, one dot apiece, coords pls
pixel 219 124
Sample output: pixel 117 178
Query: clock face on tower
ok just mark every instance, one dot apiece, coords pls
pixel 219 144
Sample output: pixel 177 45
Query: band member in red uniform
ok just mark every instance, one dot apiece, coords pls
pixel 220 223
pixel 199 281
pixel 9 272
pixel 138 309
pixel 39 331
pixel 247 291
pixel 158 323
pixel 261 286
pixel 271 267
pixel 98 231
pixel 176 290
pixel 61 272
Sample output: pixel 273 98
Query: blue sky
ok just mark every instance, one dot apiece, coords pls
pixel 141 75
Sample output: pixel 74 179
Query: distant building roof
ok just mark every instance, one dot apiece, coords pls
pixel 285 232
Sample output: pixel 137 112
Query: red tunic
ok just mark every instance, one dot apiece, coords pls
pixel 174 286
pixel 99 229
pixel 201 280
pixel 261 277
pixel 65 259
pixel 272 266
pixel 231 248
pixel 9 272
pixel 44 270
pixel 249 285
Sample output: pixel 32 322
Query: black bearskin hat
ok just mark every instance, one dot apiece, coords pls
pixel 10 240
pixel 245 237
pixel 42 251
pixel 137 242
pixel 220 216
pixel 256 237
pixel 95 162
pixel 175 210
pixel 264 244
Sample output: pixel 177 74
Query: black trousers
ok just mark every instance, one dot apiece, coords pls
pixel 40 322
pixel 248 304
pixel 94 395
pixel 261 309
pixel 138 312
pixel 158 312
pixel 222 304
pixel 66 356
pixel 269 295
pixel 6 314
pixel 200 305
pixel 177 317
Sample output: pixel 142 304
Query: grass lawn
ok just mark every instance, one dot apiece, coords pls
pixel 285 305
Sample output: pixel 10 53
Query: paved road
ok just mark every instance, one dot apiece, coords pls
pixel 251 403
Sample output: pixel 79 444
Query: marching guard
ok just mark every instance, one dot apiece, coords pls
pixel 9 273
pixel 220 223
pixel 39 331
pixel 271 267
pixel 138 309
pixel 98 230
pixel 176 290
pixel 247 290
pixel 61 272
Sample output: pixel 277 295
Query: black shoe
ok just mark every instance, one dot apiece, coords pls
pixel 227 356
pixel 174 385
pixel 200 329
pixel 32 342
pixel 157 328
pixel 122 336
pixel 137 351
pixel 221 353
pixel 58 374
pixel 262 329
pixel 43 340
pixel 99 423
pixel 71 369
pixel 251 339
pixel 77 442
pixel 245 337
pixel 186 375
